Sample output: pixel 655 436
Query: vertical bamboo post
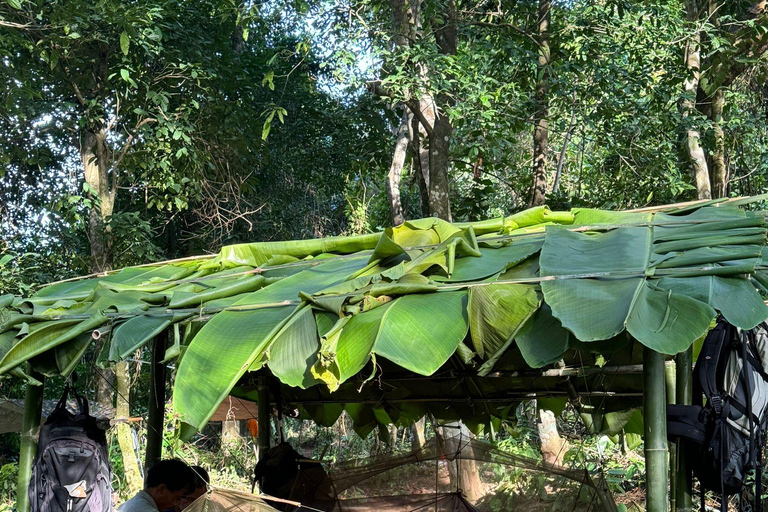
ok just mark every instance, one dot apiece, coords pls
pixel 669 377
pixel 263 416
pixel 33 409
pixel 156 410
pixel 683 474
pixel 654 404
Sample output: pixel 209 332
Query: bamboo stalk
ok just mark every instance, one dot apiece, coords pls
pixel 684 391
pixel 656 464
pixel 33 407
pixel 669 374
pixel 263 417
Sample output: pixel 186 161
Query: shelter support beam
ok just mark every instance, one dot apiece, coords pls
pixel 264 414
pixel 683 474
pixel 669 375
pixel 156 409
pixel 654 405
pixel 33 410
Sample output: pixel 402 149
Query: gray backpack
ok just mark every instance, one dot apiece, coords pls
pixel 726 425
pixel 71 472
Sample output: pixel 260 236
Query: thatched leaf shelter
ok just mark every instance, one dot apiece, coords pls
pixel 459 320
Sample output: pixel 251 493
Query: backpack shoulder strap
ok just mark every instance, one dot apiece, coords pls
pixel 715 345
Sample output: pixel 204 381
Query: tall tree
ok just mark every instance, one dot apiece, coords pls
pixel 693 151
pixel 541 113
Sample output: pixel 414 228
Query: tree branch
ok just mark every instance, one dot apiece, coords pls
pixel 415 107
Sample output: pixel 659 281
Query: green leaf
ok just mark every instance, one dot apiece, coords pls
pixel 265 129
pixel 420 332
pixel 47 337
pixel 496 313
pixel 609 274
pixel 542 340
pixel 294 350
pixel 227 346
pixel 230 287
pixel 69 354
pixel 734 297
pixel 125 75
pixel 135 333
pixel 125 43
pixel 493 261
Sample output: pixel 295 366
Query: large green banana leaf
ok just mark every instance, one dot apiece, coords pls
pixel 600 283
pixel 229 344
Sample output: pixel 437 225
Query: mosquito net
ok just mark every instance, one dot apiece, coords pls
pixel 430 478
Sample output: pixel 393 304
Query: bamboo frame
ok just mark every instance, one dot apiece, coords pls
pixel 33 408
pixel 263 418
pixel 683 474
pixel 656 451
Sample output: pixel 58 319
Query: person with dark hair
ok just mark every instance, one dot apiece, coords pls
pixel 201 487
pixel 164 485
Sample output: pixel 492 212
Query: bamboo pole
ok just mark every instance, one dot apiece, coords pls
pixel 683 475
pixel 263 416
pixel 656 464
pixel 669 375
pixel 33 408
pixel 156 409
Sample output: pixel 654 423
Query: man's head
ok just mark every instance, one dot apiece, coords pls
pixel 167 481
pixel 201 487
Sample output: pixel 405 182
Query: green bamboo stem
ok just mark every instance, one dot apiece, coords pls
pixel 656 464
pixel 669 374
pixel 263 414
pixel 684 391
pixel 33 407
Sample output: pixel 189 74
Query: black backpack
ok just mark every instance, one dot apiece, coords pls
pixel 726 434
pixel 71 472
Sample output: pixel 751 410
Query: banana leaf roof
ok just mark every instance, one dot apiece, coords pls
pixel 460 320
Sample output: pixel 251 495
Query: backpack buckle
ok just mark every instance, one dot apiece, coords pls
pixel 717 404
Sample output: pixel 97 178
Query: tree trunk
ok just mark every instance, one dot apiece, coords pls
pixel 540 116
pixel 416 156
pixel 230 431
pixel 133 478
pixel 94 154
pixel 439 163
pixel 553 447
pixel 693 151
pixel 566 141
pixel 719 175
pixel 467 479
pixel 396 170
pixel 417 433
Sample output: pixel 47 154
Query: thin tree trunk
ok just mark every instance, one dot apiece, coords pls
pixel 446 37
pixel 396 170
pixel 454 438
pixel 124 437
pixel 693 151
pixel 425 121
pixel 553 447
pixel 439 163
pixel 566 141
pixel 93 152
pixel 230 431
pixel 719 174
pixel 540 117
pixel 417 432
